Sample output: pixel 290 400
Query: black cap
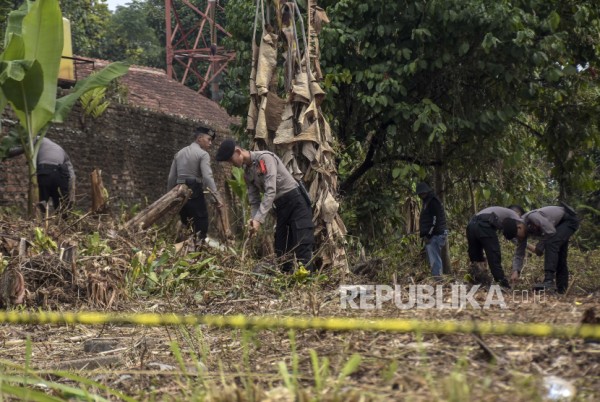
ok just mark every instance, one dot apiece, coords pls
pixel 204 130
pixel 225 151
pixel 509 228
pixel 423 188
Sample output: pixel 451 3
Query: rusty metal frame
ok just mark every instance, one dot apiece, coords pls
pixel 190 46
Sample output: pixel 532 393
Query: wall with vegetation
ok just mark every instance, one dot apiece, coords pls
pixel 133 148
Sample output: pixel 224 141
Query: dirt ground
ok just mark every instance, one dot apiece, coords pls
pixel 223 362
pixel 203 363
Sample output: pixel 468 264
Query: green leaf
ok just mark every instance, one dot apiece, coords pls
pixel 24 95
pixel 15 70
pixel 416 125
pixel 553 74
pixel 25 393
pixel 489 42
pixel 396 172
pixel 15 50
pixel 554 20
pixel 350 367
pixel 463 49
pixel 99 79
pixel 43 38
pixel 15 22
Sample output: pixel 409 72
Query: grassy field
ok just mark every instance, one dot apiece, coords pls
pixel 146 273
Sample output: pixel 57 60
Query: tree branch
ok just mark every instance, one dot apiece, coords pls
pixel 367 164
pixel 531 129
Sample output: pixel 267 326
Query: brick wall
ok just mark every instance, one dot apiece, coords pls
pixel 133 147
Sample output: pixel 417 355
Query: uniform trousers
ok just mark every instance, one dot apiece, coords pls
pixel 483 236
pixel 294 230
pixel 53 182
pixel 195 213
pixel 556 248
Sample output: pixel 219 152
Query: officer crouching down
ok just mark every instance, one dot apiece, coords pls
pixel 55 175
pixel 265 173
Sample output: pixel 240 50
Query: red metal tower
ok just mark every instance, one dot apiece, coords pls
pixel 194 44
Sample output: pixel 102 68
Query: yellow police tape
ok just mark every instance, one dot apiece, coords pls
pixel 320 323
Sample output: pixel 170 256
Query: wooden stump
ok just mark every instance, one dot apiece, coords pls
pixel 99 193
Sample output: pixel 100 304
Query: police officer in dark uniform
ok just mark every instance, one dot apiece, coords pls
pixel 265 173
pixel 554 225
pixel 482 236
pixel 55 174
pixel 191 166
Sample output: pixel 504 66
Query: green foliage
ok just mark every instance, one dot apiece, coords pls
pixel 129 36
pixel 389 372
pixel 589 231
pixel 239 189
pixel 320 370
pixel 93 102
pixel 94 245
pixel 485 95
pixel 89 22
pixel 10 140
pixel 162 272
pixel 457 384
pixel 240 17
pixel 29 74
pixel 42 241
pixel 347 370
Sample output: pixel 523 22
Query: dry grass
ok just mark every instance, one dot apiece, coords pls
pixel 179 363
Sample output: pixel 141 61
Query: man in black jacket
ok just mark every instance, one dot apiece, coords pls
pixel 432 227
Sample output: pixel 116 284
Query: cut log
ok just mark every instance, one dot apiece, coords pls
pixel 99 193
pixel 171 202
pixel 223 217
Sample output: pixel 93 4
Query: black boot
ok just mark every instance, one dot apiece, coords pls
pixel 479 274
pixel 547 285
pixel 504 283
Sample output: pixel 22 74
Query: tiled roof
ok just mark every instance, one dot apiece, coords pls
pixel 152 89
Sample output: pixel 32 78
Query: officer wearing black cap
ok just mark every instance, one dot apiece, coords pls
pixel 191 166
pixel 482 236
pixel 265 173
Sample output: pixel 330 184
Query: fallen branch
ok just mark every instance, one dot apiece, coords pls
pixel 170 202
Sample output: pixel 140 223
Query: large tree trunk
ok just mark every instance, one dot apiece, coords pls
pixel 168 203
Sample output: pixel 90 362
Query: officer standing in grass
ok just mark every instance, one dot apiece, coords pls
pixel 191 166
pixel 265 173
pixel 432 227
pixel 482 236
pixel 554 225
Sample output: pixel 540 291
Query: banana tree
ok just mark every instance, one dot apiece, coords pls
pixel 29 69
